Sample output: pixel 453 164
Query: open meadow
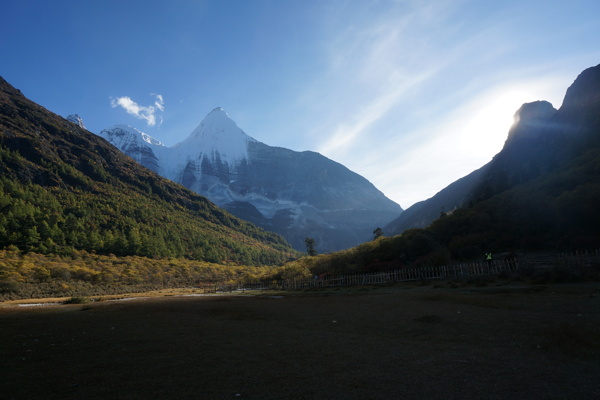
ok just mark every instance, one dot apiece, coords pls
pixel 390 342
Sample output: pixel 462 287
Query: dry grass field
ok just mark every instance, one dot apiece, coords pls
pixel 398 342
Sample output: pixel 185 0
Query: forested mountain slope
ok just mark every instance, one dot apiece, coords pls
pixel 543 144
pixel 64 188
pixel 540 193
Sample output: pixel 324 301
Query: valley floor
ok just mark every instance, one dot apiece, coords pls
pixel 402 342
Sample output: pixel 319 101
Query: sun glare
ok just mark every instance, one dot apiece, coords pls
pixel 488 120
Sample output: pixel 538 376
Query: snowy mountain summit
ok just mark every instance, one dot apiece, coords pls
pixel 296 194
pixel 217 135
pixel 136 144
pixel 76 119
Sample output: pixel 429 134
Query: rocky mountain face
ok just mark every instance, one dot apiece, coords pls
pixel 296 194
pixel 542 141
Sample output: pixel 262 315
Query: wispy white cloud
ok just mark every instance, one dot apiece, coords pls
pixel 159 102
pixel 348 132
pixel 373 68
pixel 417 93
pixel 442 149
pixel 148 113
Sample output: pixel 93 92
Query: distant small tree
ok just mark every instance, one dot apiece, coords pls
pixel 310 246
pixel 377 233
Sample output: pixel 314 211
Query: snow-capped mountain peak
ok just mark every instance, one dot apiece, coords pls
pixel 140 146
pixel 76 119
pixel 297 194
pixel 124 135
pixel 217 134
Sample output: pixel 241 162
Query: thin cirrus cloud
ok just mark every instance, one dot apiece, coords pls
pixel 150 113
pixel 373 68
pixel 426 84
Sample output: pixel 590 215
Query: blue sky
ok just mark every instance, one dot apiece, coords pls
pixel 410 94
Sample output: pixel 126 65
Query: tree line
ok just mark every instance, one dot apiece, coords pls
pixel 52 220
pixel 33 275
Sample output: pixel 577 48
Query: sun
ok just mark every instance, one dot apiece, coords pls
pixel 488 119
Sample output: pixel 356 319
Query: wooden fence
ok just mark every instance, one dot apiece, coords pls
pixel 582 258
pixel 405 275
pixel 458 271
pixel 446 272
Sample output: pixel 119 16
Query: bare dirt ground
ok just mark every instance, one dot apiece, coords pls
pixel 401 342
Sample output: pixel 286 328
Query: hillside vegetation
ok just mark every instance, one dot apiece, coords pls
pixel 540 193
pixel 64 189
pixel 556 212
pixel 81 274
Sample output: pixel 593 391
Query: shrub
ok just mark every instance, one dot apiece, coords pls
pixel 77 300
